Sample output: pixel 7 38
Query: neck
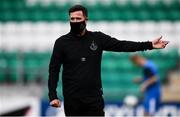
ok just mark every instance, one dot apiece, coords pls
pixel 81 33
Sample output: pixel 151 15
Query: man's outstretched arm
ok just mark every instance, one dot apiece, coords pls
pixel 113 44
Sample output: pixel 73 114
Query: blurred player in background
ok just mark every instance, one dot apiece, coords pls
pixel 80 53
pixel 150 84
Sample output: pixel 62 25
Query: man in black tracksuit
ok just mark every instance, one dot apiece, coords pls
pixel 80 53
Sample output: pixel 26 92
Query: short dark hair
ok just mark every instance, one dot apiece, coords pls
pixel 136 56
pixel 79 8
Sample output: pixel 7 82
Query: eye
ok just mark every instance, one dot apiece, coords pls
pixel 72 18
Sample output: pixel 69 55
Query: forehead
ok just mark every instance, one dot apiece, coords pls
pixel 76 14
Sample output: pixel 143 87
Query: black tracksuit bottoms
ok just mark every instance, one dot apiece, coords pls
pixel 84 106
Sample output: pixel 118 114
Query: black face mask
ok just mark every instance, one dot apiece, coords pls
pixel 77 27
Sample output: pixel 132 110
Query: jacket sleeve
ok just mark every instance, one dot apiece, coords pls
pixel 112 44
pixel 54 69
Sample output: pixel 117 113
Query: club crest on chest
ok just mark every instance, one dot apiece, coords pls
pixel 93 46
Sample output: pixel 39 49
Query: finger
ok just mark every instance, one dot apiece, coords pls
pixel 166 42
pixel 58 103
pixel 55 105
pixel 164 45
pixel 159 38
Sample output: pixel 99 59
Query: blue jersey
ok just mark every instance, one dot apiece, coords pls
pixel 152 93
pixel 150 70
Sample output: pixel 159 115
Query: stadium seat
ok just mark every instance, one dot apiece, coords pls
pixel 13 65
pixel 3 67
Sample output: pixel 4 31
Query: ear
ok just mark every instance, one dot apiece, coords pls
pixel 86 19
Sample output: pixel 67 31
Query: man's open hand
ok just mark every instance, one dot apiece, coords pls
pixel 55 103
pixel 159 44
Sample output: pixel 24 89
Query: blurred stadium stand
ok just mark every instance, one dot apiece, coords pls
pixel 56 10
pixel 28 29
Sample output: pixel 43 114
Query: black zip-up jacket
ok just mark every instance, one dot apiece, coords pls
pixel 81 60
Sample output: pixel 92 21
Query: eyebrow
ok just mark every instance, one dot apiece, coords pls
pixel 75 18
